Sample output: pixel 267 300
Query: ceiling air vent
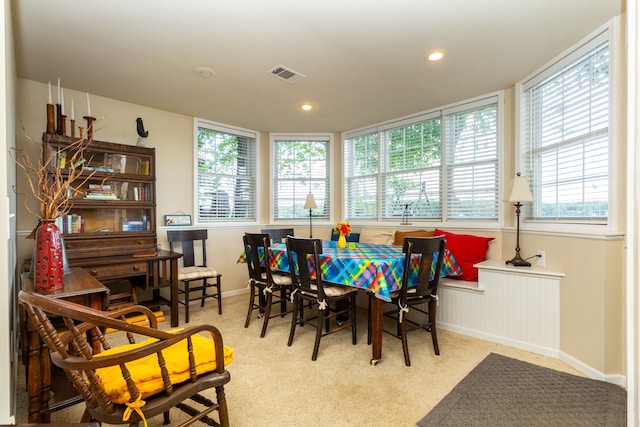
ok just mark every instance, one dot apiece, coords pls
pixel 286 74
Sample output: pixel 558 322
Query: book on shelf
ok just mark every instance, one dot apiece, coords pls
pixel 100 192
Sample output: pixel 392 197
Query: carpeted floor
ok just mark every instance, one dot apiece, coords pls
pixel 502 391
pixel 275 385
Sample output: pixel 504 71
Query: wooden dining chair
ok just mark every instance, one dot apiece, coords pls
pixel 132 382
pixel 270 289
pixel 194 269
pixel 277 235
pixel 309 287
pixel 422 297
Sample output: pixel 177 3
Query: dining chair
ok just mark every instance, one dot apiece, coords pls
pixel 263 284
pixel 308 286
pixel 428 252
pixel 131 382
pixel 186 241
pixel 351 237
pixel 277 235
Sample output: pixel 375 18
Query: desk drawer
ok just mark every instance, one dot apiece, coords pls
pixel 113 271
pixel 83 248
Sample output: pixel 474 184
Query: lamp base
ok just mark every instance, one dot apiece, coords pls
pixel 518 261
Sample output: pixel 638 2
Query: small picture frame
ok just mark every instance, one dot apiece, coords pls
pixel 173 220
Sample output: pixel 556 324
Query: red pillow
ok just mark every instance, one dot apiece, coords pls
pixel 467 250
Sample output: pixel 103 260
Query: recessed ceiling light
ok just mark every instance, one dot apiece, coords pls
pixel 307 107
pixel 435 55
pixel 205 72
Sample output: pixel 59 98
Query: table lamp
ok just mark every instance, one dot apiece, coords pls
pixel 520 192
pixel 310 204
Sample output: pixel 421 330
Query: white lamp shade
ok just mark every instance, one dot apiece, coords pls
pixel 310 203
pixel 520 191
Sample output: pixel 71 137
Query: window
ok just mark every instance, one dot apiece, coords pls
pixel 565 135
pixel 301 166
pixel 225 173
pixel 439 165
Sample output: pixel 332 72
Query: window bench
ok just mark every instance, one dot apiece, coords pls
pixel 516 306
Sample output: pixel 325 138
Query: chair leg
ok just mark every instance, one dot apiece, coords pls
pixel 186 302
pixel 405 346
pixel 223 412
pixel 352 300
pixel 267 314
pixel 219 289
pixel 294 319
pixel 204 291
pixel 322 315
pixel 432 321
pixel 283 302
pixel 252 296
pixel 166 420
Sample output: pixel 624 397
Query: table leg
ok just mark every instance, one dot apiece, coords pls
pixel 33 375
pixel 376 330
pixel 174 293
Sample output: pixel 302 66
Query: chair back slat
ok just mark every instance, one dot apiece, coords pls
pixel 277 235
pixel 426 249
pixel 304 256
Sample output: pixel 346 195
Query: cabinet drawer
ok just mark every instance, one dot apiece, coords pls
pixel 113 271
pixel 84 248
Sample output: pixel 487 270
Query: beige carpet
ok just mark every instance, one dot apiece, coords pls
pixel 275 385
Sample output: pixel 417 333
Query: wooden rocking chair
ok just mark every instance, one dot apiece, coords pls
pixel 176 365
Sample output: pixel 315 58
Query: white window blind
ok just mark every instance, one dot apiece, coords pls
pixel 398 168
pixel 472 163
pixel 301 166
pixel 361 175
pixel 225 173
pixel 411 170
pixel 565 135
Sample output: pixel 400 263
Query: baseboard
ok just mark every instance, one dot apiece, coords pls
pixel 545 351
pixel 617 379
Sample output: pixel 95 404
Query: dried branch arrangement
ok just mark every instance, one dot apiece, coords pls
pixel 54 191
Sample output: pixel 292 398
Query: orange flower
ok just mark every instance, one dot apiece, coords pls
pixel 344 228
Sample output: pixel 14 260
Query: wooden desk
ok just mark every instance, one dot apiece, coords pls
pixel 79 287
pixel 154 271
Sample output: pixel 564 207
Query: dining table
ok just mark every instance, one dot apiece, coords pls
pixel 375 268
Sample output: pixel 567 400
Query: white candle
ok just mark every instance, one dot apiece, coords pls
pixel 62 101
pixel 73 112
pixel 88 106
pixel 50 101
pixel 59 90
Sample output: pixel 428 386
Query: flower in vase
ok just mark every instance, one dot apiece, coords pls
pixel 343 228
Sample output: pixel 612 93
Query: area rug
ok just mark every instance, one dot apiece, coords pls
pixel 502 391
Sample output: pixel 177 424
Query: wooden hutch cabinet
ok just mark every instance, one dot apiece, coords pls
pixel 111 227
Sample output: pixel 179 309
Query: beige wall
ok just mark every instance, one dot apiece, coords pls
pixel 592 292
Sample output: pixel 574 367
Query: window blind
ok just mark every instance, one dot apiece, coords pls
pixel 472 163
pixel 361 154
pixel 225 174
pixel 565 134
pixel 301 166
pixel 398 168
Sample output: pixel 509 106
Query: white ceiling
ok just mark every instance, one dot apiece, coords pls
pixel 363 59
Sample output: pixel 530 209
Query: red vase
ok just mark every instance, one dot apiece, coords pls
pixel 49 266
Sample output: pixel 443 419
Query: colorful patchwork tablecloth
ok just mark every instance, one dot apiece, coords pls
pixel 377 268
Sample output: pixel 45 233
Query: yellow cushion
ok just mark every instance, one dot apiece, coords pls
pixel 146 374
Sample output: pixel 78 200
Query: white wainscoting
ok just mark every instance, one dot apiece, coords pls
pixel 516 306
